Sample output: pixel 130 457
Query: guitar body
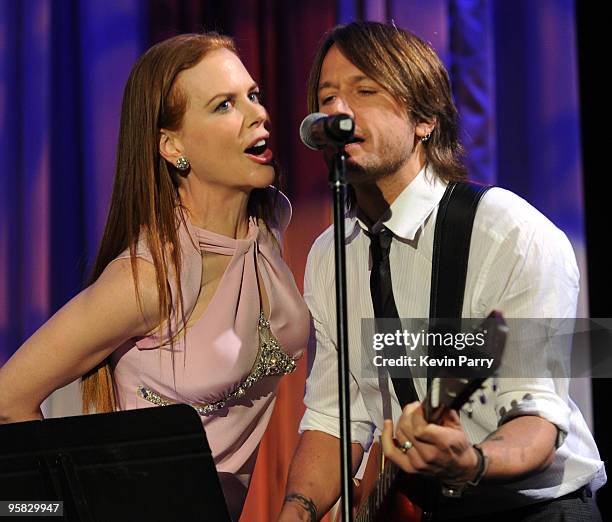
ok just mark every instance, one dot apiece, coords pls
pixel 396 507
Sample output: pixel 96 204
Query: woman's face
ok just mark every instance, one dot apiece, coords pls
pixel 223 132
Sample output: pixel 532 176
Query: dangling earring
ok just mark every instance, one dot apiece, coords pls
pixel 182 163
pixel 426 137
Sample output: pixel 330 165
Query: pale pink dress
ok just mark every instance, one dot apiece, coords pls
pixel 222 346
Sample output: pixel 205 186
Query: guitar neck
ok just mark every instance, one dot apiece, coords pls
pixel 448 394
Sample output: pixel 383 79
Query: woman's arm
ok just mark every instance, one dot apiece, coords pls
pixel 78 337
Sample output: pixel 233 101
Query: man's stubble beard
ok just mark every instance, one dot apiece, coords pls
pixel 357 174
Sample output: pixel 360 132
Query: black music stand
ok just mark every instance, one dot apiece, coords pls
pixel 147 464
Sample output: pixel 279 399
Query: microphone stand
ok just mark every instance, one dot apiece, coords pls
pixel 337 181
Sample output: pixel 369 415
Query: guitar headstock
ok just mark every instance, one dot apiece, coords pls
pixel 454 387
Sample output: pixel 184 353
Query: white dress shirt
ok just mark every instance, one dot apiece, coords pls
pixel 520 264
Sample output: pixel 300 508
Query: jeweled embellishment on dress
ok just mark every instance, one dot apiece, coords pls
pixel 271 360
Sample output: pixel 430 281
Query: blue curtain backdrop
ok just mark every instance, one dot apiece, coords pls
pixel 63 65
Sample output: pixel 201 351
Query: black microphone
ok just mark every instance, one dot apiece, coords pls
pixel 320 130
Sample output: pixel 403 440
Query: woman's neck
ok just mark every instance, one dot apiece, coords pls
pixel 218 209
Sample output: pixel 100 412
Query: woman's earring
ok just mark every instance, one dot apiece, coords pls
pixel 426 137
pixel 182 163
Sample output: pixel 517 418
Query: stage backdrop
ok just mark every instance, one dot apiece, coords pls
pixel 63 65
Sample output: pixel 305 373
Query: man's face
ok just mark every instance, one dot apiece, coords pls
pixel 384 132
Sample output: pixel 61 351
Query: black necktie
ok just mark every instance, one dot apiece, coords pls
pixel 383 301
pixel 380 277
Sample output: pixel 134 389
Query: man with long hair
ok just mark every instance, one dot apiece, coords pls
pixel 526 453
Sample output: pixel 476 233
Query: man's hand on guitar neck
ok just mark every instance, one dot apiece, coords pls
pixel 441 450
pixel 523 446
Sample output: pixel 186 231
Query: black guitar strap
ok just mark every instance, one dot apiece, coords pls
pixel 451 251
pixel 451 248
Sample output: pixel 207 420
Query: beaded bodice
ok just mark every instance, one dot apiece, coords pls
pixel 270 360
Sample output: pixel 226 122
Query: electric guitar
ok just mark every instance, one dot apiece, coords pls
pixel 391 495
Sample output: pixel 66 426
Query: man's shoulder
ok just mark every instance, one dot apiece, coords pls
pixel 515 232
pixel 321 254
pixel 323 245
pixel 325 239
pixel 502 214
pixel 322 248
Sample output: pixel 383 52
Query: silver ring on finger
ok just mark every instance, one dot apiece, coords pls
pixel 406 446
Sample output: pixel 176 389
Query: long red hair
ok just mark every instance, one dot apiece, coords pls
pixel 145 189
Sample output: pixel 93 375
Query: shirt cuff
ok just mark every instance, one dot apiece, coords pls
pixel 547 405
pixel 361 432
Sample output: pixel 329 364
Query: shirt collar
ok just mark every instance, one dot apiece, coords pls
pixel 411 208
